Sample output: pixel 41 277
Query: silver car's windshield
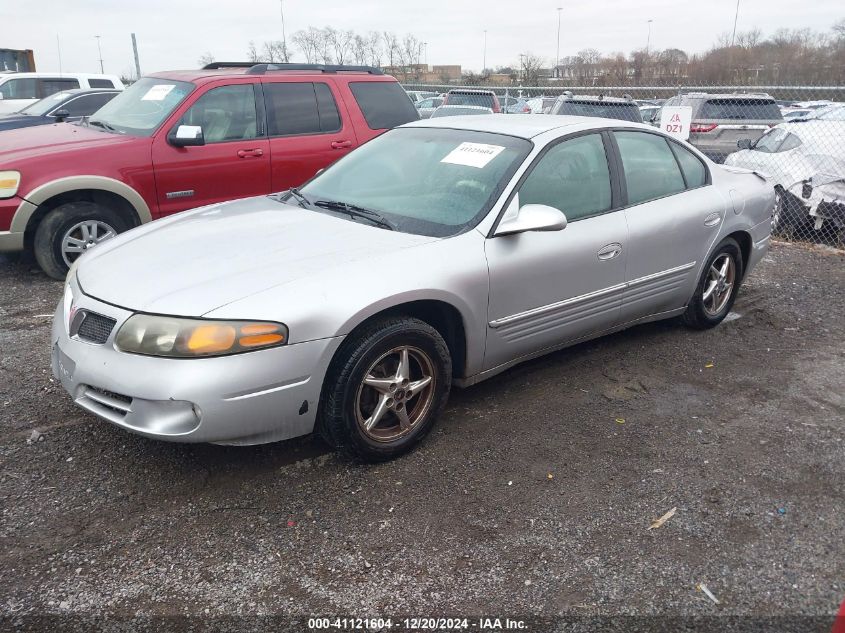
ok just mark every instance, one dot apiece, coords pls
pixel 142 107
pixel 428 181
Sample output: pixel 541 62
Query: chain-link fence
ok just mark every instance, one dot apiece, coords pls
pixel 794 135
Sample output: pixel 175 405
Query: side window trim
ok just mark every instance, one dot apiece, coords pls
pixel 261 126
pixel 188 105
pixel 614 190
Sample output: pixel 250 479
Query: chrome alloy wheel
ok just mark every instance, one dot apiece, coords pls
pixel 82 236
pixel 396 394
pixel 720 282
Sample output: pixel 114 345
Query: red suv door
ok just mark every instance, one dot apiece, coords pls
pixel 233 163
pixel 308 127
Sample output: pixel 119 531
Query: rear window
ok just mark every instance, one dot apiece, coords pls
pixel 101 83
pixel 732 108
pixel 383 103
pixel 470 98
pixel 604 110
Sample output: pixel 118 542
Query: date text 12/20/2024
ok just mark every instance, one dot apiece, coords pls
pixel 417 624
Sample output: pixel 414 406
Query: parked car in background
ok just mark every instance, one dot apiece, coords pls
pixel 418 95
pixel 459 110
pixel 66 106
pixel 259 320
pixel 599 106
pixel 541 105
pixel 791 114
pixel 470 97
pixel 427 106
pixel 518 106
pixel 806 165
pixel 834 112
pixel 650 114
pixel 18 90
pixel 720 120
pixel 182 139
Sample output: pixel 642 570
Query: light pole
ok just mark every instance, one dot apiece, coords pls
pixel 284 37
pixel 425 54
pixel 648 41
pixel 100 53
pixel 484 63
pixel 557 54
pixel 736 17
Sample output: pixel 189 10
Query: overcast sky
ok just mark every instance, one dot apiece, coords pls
pixel 173 34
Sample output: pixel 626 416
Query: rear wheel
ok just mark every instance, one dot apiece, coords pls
pixel 789 216
pixel 386 388
pixel 717 288
pixel 70 230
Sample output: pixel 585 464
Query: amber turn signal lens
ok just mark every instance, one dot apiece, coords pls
pixel 261 339
pixel 208 339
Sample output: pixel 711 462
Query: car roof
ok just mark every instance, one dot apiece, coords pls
pixel 728 95
pixel 525 126
pixel 598 100
pixel 814 130
pixel 41 74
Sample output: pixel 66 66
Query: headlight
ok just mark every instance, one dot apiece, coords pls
pixel 9 183
pixel 196 338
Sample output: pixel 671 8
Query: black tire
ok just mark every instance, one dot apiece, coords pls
pixel 47 246
pixel 338 421
pixel 697 314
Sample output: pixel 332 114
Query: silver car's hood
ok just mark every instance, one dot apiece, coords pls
pixel 200 260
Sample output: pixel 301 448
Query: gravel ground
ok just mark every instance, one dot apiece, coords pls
pixel 533 496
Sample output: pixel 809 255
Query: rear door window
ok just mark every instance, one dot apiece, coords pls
pixel 51 86
pixel 300 108
pixel 739 108
pixel 622 111
pixel 694 171
pixel 383 103
pixel 651 170
pixel 20 89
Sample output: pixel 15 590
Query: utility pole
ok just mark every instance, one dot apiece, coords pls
pixel 59 47
pixel 284 37
pixel 137 63
pixel 100 53
pixel 484 63
pixel 648 41
pixel 736 17
pixel 557 55
pixel 425 53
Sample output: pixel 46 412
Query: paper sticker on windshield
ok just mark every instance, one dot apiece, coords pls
pixel 158 92
pixel 473 154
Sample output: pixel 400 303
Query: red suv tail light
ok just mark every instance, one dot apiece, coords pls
pixel 702 127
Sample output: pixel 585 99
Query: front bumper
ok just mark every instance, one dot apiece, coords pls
pixel 10 241
pixel 250 398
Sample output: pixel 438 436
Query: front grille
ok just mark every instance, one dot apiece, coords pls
pixel 95 328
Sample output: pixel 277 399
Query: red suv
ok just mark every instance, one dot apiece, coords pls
pixel 183 139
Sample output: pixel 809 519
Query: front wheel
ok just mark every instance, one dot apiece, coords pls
pixel 70 230
pixel 717 288
pixel 386 388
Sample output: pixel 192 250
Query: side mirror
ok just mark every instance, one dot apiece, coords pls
pixel 744 143
pixel 61 115
pixel 186 135
pixel 532 217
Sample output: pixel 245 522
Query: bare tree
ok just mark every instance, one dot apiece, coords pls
pixel 391 48
pixel 252 53
pixel 274 52
pixel 374 48
pixel 205 59
pixel 340 43
pixel 530 66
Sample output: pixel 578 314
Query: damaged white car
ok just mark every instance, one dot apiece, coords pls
pixel 805 161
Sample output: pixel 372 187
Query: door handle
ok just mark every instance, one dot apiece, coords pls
pixel 610 251
pixel 713 219
pixel 250 153
pixel 341 144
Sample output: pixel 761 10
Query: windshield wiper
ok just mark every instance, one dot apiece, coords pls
pixel 355 211
pixel 103 125
pixel 300 198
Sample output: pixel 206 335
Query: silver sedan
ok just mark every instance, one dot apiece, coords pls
pixel 441 253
